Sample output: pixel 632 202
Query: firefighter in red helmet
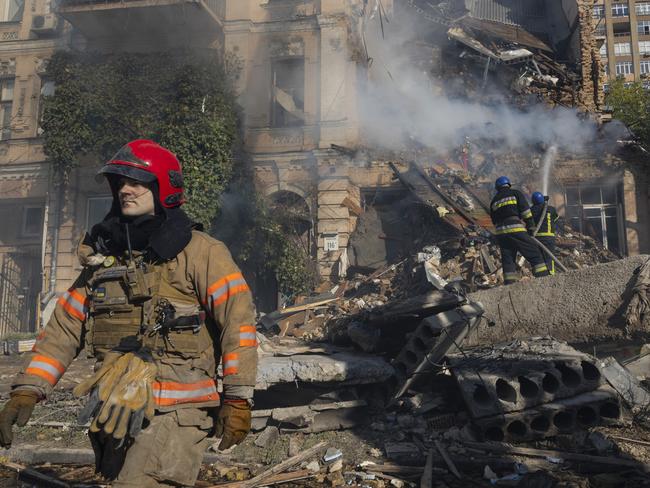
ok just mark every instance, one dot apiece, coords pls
pixel 160 305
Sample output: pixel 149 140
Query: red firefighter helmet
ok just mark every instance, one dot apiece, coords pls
pixel 145 161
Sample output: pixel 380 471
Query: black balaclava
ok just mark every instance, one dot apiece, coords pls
pixel 164 234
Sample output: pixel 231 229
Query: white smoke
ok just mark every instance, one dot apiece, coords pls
pixel 403 100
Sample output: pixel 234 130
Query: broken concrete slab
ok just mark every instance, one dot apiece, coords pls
pixel 582 305
pixel 435 337
pixel 627 385
pixel 344 368
pixel 640 367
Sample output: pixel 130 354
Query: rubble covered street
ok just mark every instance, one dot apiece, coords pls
pixel 404 391
pixel 390 381
pixel 411 363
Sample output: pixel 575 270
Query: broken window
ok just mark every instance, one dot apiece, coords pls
pixel 599 11
pixel 288 92
pixel 643 27
pixel 6 105
pixel 596 211
pixel 624 68
pixel 622 49
pixel 643 8
pixel 11 10
pixel 645 67
pixel 620 10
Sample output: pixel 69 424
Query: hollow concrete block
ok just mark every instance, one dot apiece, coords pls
pixel 600 407
pixel 522 375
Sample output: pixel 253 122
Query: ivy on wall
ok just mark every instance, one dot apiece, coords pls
pixel 183 102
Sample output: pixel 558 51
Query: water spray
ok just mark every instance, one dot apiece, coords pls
pixel 549 161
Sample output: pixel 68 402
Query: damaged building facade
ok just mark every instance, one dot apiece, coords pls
pixel 29 33
pixel 303 68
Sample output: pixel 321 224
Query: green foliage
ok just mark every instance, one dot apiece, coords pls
pixel 269 240
pixel 631 105
pixel 181 101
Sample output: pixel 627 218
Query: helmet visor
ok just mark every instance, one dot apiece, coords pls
pixel 132 172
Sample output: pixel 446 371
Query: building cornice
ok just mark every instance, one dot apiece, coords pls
pixel 19 171
pixel 30 45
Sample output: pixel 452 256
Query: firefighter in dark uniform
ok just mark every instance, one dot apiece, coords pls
pixel 548 229
pixel 514 224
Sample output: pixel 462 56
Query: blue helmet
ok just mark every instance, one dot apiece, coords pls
pixel 501 182
pixel 538 198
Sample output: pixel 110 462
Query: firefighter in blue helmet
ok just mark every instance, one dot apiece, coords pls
pixel 548 228
pixel 514 224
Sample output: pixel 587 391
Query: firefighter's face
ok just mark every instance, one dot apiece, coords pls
pixel 135 198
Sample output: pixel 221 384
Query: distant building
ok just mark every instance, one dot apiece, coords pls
pixel 623 28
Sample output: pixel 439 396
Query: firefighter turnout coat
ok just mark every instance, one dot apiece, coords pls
pixel 192 312
pixel 549 220
pixel 508 209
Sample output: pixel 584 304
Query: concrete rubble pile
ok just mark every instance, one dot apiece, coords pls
pixel 418 373
pixel 374 345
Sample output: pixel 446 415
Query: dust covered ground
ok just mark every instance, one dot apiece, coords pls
pixel 53 426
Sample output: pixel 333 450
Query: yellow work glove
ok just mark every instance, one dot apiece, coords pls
pixel 233 422
pixel 121 395
pixel 16 411
pixel 132 393
pixel 105 379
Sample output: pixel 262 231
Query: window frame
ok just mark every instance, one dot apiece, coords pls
pixel 643 27
pixel 41 102
pixel 4 12
pixel 642 8
pixel 646 44
pixel 280 118
pixel 89 199
pixel 643 63
pixel 6 107
pixel 576 210
pixel 626 65
pixel 618 51
pixel 623 7
pixel 23 223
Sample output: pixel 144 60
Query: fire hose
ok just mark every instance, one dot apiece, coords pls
pixel 547 251
pixel 541 218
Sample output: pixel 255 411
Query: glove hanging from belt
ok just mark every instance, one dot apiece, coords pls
pixel 121 394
